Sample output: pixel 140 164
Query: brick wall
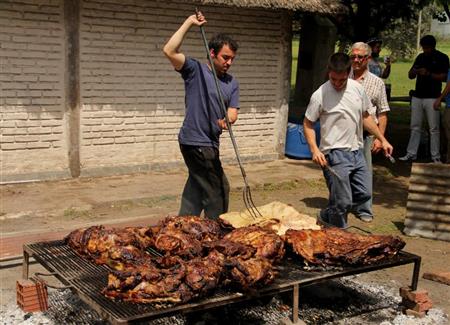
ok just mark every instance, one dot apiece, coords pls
pixel 131 100
pixel 32 88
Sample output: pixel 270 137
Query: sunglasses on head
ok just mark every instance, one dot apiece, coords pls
pixel 359 57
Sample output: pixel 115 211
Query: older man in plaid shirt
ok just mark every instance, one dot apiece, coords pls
pixel 375 90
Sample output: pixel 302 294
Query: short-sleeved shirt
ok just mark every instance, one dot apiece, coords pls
pixel 376 91
pixel 435 62
pixel 202 102
pixel 340 114
pixel 375 67
pixel 447 98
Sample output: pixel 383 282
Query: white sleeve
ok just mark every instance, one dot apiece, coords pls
pixel 314 107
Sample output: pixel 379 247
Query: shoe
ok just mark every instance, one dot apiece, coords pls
pixel 436 161
pixel 321 222
pixel 407 157
pixel 366 218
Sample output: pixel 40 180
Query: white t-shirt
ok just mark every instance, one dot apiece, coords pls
pixel 340 114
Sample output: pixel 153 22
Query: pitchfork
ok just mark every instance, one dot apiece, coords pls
pixel 246 193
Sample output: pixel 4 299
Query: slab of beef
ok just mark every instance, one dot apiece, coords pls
pixel 184 235
pixel 247 273
pixel 266 242
pixel 144 283
pixel 202 229
pixel 334 246
pixel 111 246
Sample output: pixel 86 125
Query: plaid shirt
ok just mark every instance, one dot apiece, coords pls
pixel 376 91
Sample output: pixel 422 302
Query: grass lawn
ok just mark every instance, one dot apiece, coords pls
pixel 400 82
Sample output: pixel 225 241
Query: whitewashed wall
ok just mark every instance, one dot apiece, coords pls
pixel 131 100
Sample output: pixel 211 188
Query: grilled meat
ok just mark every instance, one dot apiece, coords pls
pixel 196 258
pixel 174 242
pixel 247 273
pixel 334 246
pixel 202 229
pixel 182 282
pixel 267 243
pixel 111 246
pixel 183 236
pixel 230 248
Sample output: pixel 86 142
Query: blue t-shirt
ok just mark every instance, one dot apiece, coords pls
pixel 447 98
pixel 203 107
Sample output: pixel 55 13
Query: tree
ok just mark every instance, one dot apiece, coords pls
pixel 368 18
pixel 446 5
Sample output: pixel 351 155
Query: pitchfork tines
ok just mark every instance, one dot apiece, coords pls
pixel 249 204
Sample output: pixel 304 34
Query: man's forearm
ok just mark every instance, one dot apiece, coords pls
pixel 310 135
pixel 382 122
pixel 372 128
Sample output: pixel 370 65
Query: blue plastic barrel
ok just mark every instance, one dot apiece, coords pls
pixel 296 145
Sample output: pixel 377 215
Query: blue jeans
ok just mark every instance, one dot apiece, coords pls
pixel 352 188
pixel 365 209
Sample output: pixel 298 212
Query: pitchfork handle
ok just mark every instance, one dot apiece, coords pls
pixel 222 103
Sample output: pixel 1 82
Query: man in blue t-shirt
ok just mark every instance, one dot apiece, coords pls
pixel 207 187
pixel 437 104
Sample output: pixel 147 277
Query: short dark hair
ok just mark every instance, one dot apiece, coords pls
pixel 428 40
pixel 374 40
pixel 219 40
pixel 339 62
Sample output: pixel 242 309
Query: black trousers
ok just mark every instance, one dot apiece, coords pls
pixel 207 187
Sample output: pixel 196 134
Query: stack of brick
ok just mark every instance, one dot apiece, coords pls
pixel 415 303
pixel 31 295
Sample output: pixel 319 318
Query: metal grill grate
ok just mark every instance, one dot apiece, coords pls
pixel 88 280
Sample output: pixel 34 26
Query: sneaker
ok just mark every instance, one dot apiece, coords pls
pixel 436 161
pixel 366 218
pixel 407 157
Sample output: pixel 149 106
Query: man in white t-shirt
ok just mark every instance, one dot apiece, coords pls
pixel 341 105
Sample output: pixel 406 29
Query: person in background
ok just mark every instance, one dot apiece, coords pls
pixel 380 67
pixel 437 103
pixel 430 69
pixel 342 106
pixel 375 90
pixel 207 187
pixel 375 65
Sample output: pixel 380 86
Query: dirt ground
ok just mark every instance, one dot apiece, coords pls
pixel 65 205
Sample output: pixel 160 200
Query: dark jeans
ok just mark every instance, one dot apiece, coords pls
pixel 207 186
pixel 352 188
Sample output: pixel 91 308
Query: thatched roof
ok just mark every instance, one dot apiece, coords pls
pixel 319 6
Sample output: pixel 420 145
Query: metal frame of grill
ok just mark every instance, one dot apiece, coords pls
pixel 87 280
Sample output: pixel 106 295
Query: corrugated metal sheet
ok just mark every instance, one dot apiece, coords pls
pixel 428 207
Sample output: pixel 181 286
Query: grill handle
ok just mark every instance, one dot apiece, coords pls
pixel 37 277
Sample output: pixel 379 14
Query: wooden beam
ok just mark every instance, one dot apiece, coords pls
pixel 72 82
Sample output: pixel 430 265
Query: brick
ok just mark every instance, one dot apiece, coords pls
pixel 419 307
pixel 6 139
pixel 443 277
pixel 31 296
pixel 414 313
pixel 414 296
pixel 103 141
pixel 38 145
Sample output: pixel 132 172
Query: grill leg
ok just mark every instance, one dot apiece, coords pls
pixel 25 265
pixel 415 277
pixel 295 304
